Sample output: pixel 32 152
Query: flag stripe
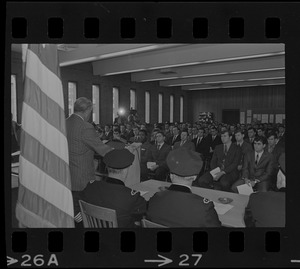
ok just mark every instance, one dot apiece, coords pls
pixel 45 106
pixel 40 207
pixel 47 81
pixel 47 187
pixel 45 55
pixel 50 137
pixel 37 154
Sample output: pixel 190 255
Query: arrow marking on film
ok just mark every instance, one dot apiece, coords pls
pixel 10 260
pixel 162 262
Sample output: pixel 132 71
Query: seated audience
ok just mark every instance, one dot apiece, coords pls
pixel 112 192
pixel 226 157
pixel 267 209
pixel 251 135
pixel 175 138
pixel 135 138
pixel 257 168
pixel 184 142
pixel 177 206
pixel 201 144
pixel 158 153
pixel 245 147
pixel 213 139
pixel 107 134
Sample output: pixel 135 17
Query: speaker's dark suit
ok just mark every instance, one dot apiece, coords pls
pixel 178 207
pixel 230 162
pixel 112 193
pixel 265 209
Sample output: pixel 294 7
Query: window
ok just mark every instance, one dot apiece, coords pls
pixel 96 104
pixel 181 108
pixel 72 87
pixel 115 102
pixel 171 108
pixel 132 99
pixel 147 107
pixel 14 97
pixel 160 107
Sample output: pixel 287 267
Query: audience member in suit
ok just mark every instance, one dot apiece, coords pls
pixel 176 136
pixel 135 138
pixel 184 142
pixel 201 144
pixel 251 135
pixel 232 130
pixel 144 154
pixel 123 132
pixel 276 149
pixel 112 192
pixel 117 135
pixel 129 131
pixel 83 142
pixel 227 157
pixel 281 135
pixel 260 132
pixel 257 168
pixel 158 153
pixel 153 136
pixel 108 134
pixel 194 134
pixel 214 139
pixel 245 147
pixel 177 206
pixel 267 209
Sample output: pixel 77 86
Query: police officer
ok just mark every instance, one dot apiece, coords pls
pixel 112 192
pixel 177 206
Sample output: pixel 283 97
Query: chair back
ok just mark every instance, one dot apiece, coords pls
pixel 149 224
pixel 97 217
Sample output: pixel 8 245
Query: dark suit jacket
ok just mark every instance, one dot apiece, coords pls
pixel 178 207
pixel 112 193
pixel 202 147
pixel 232 158
pixel 159 156
pixel 108 136
pixel 171 142
pixel 83 142
pixel 261 171
pixel 246 147
pixel 188 144
pixel 215 142
pixel 265 209
pixel 248 141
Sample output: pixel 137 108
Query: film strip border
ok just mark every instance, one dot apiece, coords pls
pixel 115 247
pixel 160 22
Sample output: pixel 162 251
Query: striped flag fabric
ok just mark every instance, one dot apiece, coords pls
pixel 44 196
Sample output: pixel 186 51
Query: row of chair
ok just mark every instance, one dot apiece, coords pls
pixel 100 217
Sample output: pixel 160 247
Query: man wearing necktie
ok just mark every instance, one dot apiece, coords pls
pixel 226 157
pixel 251 135
pixel 184 141
pixel 257 168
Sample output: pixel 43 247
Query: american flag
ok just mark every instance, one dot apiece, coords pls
pixel 44 198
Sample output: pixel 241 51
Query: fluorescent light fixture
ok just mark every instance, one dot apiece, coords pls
pixel 123 72
pixel 254 79
pixel 205 75
pixel 129 51
pixel 269 84
pixel 224 87
pixel 173 65
pixel 257 70
pixel 225 81
pixel 153 79
pixel 184 84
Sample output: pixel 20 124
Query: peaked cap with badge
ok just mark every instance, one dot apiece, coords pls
pixel 118 158
pixel 184 162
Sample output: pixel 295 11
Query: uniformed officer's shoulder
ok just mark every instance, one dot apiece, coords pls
pixel 134 192
pixel 207 201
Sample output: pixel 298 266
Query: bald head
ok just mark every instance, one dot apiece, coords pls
pixel 83 106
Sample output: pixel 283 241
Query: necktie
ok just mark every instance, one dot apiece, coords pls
pixel 173 139
pixel 225 149
pixel 158 146
pixel 256 160
pixel 198 141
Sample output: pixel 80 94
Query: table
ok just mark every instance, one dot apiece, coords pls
pixel 233 218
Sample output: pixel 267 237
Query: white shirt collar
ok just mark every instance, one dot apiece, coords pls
pixel 182 185
pixel 79 116
pixel 259 154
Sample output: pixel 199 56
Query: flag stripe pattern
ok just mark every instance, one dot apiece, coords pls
pixel 44 198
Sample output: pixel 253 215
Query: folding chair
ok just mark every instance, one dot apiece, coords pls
pixel 97 217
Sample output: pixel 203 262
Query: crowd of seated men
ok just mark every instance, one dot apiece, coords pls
pixel 220 145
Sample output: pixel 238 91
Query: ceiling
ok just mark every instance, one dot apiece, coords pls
pixel 189 66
